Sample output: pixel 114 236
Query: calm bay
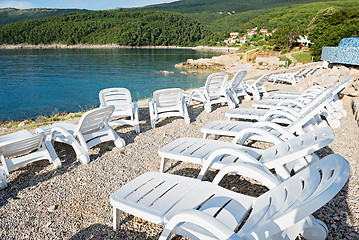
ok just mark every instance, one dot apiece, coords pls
pixel 46 81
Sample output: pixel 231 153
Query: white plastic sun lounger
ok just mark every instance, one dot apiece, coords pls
pixel 236 86
pixel 204 210
pixel 302 122
pixel 292 78
pixel 314 89
pixel 214 92
pixel 126 111
pixel 167 103
pixel 327 100
pixel 217 154
pixel 92 130
pixel 22 147
pixel 276 99
pixel 256 87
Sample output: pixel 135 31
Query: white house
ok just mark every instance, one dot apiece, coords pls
pixel 234 34
pixel 304 40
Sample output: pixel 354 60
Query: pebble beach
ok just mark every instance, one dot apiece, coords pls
pixel 73 202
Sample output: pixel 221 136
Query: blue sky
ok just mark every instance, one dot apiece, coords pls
pixel 82 4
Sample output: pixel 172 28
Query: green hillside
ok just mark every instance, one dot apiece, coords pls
pixel 214 6
pixel 299 15
pixel 130 28
pixel 12 15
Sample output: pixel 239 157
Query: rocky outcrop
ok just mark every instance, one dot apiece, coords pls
pixel 200 63
pixel 329 76
pixel 355 107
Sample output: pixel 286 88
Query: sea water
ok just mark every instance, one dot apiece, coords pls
pixel 46 81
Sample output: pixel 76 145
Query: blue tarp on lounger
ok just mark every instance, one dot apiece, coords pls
pixel 346 53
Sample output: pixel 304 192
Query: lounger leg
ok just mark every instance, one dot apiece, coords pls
pixel 207 107
pixel 137 128
pixel 55 160
pixel 163 163
pixel 116 218
pixel 3 183
pixel 314 229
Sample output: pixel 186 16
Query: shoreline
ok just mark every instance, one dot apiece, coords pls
pixel 40 200
pixel 109 46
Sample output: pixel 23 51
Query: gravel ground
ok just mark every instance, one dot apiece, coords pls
pixel 73 201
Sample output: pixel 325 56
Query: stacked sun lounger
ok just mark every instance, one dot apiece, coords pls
pixel 294 77
pixel 298 181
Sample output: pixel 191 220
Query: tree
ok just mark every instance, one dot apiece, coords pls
pixel 324 20
pixel 285 37
pixel 333 36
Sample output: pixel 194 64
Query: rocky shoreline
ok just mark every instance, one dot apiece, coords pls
pixel 109 46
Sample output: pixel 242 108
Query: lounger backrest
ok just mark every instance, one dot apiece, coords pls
pixel 305 144
pixel 167 98
pixel 311 109
pixel 296 198
pixel 260 81
pixel 339 86
pixel 300 73
pixel 19 147
pixel 215 83
pixel 237 79
pixel 120 98
pixel 94 120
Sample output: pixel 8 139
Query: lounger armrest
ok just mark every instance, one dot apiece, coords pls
pixel 134 106
pixel 286 109
pixel 276 127
pixel 256 171
pixel 291 115
pixel 135 110
pixel 151 107
pixel 256 129
pixel 250 81
pixel 61 130
pixel 246 133
pixel 199 219
pixel 243 156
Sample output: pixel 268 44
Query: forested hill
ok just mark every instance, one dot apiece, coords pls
pixel 214 6
pixel 128 28
pixel 297 15
pixel 11 15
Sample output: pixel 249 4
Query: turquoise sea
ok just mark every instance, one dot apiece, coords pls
pixel 46 81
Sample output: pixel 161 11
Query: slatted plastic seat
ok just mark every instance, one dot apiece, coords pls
pixel 167 103
pixel 214 92
pixel 22 147
pixel 217 154
pixel 92 129
pixel 126 111
pixel 197 150
pixel 204 210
